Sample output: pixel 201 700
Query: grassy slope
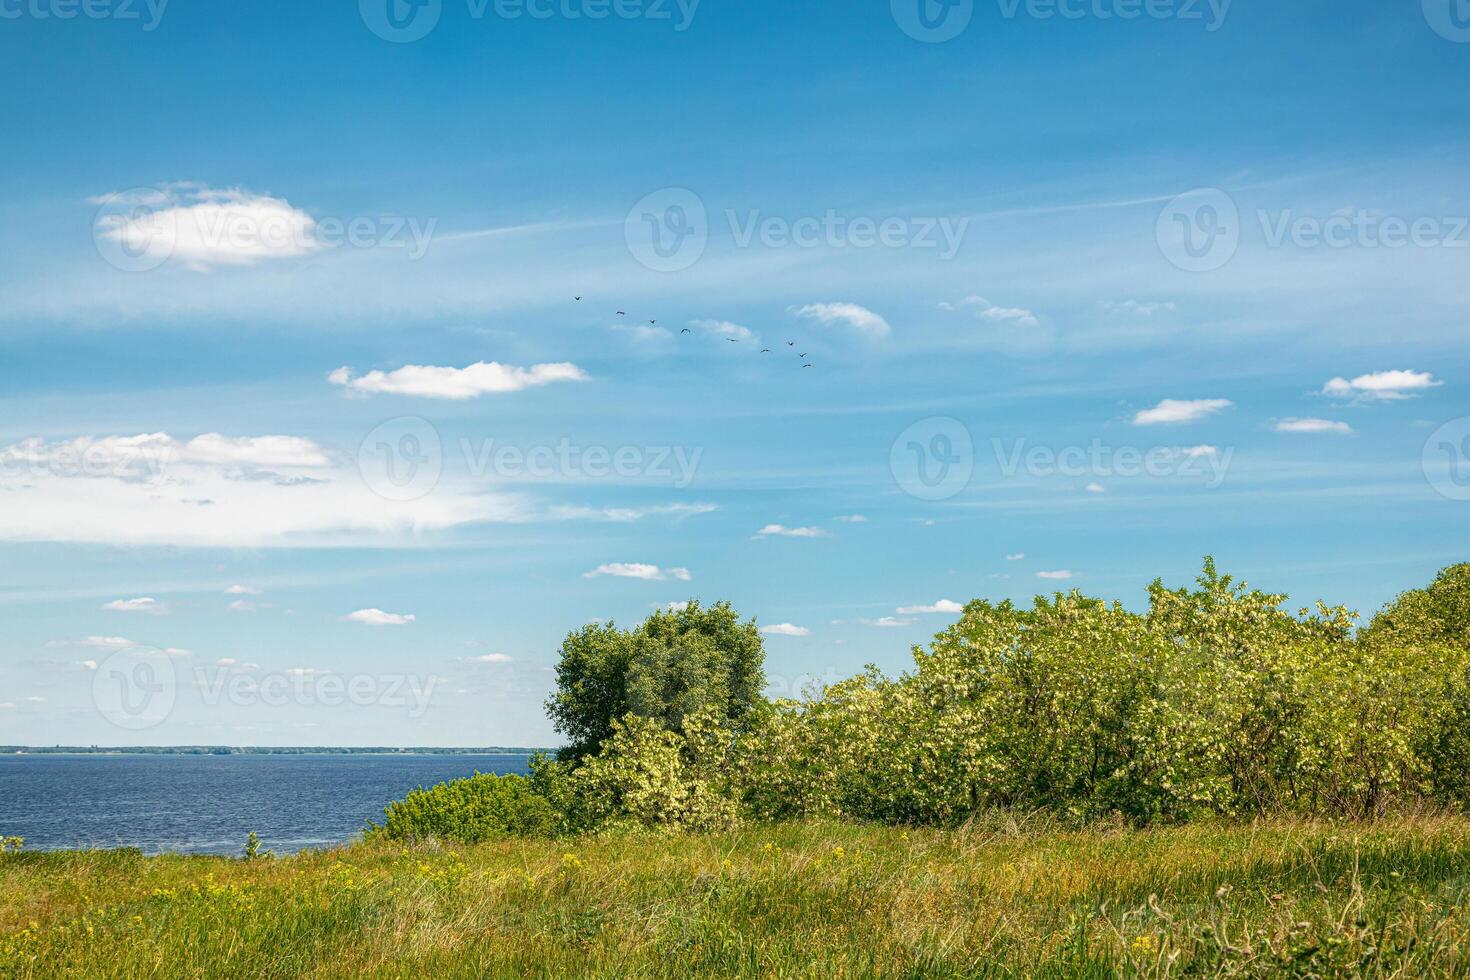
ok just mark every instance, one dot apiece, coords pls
pixel 812 899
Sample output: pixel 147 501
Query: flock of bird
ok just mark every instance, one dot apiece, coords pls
pixel 801 355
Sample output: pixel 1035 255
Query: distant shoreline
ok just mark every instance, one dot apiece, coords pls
pixel 260 750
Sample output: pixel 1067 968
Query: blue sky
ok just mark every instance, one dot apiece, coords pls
pixel 261 262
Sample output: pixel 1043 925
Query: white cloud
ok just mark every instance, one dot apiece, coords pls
pixel 457 384
pixel 1096 488
pixel 1172 410
pixel 267 451
pixel 216 491
pixel 642 333
pixel 306 671
pixel 861 319
pixel 1060 576
pixel 639 570
pixel 986 310
pixel 1016 557
pixel 1312 425
pixel 150 456
pixel 202 228
pixel 782 531
pixel 942 606
pixel 376 617
pixel 886 622
pixel 242 590
pixel 675 607
pixel 627 515
pixel 241 606
pixel 488 658
pixel 107 642
pixel 139 605
pixel 851 519
pixel 1381 385
pixel 785 629
pixel 1136 307
pixel 177 652
pixel 1195 452
pixel 724 328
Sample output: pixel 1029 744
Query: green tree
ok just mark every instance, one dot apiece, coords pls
pixel 670 667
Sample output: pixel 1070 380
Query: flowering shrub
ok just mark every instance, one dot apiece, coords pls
pixel 1215 701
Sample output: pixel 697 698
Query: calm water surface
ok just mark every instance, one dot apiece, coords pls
pixel 207 804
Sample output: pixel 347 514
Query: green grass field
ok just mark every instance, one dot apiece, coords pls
pixel 807 899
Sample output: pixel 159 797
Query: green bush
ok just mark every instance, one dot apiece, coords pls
pixel 469 811
pixel 1216 701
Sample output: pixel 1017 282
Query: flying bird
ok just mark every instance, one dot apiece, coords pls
pixel 805 366
pixel 621 313
pixel 577 298
pixel 733 340
pixel 765 350
pixel 801 355
pixel 654 322
pixel 790 343
pixel 685 330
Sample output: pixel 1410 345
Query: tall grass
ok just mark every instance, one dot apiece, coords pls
pixel 1000 897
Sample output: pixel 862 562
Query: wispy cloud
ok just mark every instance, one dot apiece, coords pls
pixel 1313 425
pixel 859 318
pixel 1172 410
pixel 986 310
pixel 886 622
pixel 942 606
pixel 782 531
pixel 639 570
pixel 629 515
pixel 488 658
pixel 1058 576
pixel 142 604
pixel 785 629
